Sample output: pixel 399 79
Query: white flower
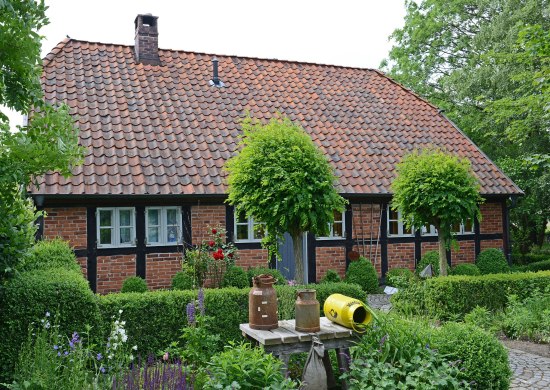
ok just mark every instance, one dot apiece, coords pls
pixel 120 311
pixel 134 347
pixel 110 356
pixel 131 357
pixel 115 345
pixel 124 338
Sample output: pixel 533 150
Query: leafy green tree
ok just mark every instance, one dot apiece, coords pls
pixel 48 143
pixel 486 63
pixel 434 188
pixel 280 178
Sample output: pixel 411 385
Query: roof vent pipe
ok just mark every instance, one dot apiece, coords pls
pixel 216 82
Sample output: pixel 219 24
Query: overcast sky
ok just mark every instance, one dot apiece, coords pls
pixel 343 32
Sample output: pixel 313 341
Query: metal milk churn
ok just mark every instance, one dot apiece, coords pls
pixel 262 303
pixel 307 312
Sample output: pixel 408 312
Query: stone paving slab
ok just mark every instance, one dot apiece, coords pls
pixel 529 371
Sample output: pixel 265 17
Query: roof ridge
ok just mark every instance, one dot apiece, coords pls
pixel 51 55
pixel 62 43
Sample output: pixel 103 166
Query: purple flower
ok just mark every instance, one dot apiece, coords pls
pixel 71 344
pixel 383 340
pixel 56 347
pixel 201 301
pixel 99 356
pixel 191 313
pixel 102 369
pixel 292 283
pixel 66 353
pixel 76 338
pixel 59 354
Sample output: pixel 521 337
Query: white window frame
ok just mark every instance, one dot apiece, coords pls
pixel 250 223
pixel 400 225
pixel 433 230
pixel 331 235
pixel 116 227
pixel 163 227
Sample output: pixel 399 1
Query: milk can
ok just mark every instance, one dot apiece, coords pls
pixel 307 312
pixel 262 303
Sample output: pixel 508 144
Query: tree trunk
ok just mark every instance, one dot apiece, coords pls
pixel 297 246
pixel 442 254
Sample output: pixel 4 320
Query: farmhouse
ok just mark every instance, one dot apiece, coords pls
pixel 158 126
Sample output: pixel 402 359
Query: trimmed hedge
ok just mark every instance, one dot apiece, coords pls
pixel 182 280
pixel 134 284
pixel 539 266
pixel 281 280
pixel 49 254
pixel 492 261
pixel 465 269
pixel 331 276
pixel 29 295
pixel 453 297
pixel 235 277
pixel 154 319
pixel 363 273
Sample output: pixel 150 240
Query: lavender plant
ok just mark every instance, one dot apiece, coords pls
pixel 152 375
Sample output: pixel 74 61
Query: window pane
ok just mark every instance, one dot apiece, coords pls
pixel 105 236
pixel 242 232
pixel 406 230
pixel 172 232
pixel 393 227
pixel 393 214
pixel 456 228
pixel 153 235
pixel 259 231
pixel 153 217
pixel 337 216
pixel 241 218
pixel 337 229
pixel 171 217
pixel 468 225
pixel 125 218
pixel 126 235
pixel 105 218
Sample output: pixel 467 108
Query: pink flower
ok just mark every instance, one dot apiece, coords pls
pixel 166 356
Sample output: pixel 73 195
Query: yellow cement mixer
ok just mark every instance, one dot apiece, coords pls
pixel 348 312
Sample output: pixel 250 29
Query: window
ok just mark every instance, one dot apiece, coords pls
pixel 395 224
pixel 116 227
pixel 163 225
pixel 246 229
pixel 337 229
pixel 466 227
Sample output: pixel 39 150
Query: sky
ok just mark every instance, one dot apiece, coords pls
pixel 343 32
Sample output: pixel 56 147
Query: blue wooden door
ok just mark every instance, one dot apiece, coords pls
pixel 286 264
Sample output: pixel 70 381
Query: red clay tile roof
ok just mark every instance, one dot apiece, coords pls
pixel 165 130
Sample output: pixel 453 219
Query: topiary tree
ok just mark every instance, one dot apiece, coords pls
pixel 435 188
pixel 134 284
pixel 465 269
pixel 331 277
pixel 363 273
pixel 492 261
pixel 282 179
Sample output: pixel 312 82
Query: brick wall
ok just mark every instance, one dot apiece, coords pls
pixel 465 254
pixel 83 261
pixel 160 269
pixel 366 221
pixel 204 217
pixel 491 221
pixel 249 258
pixel 330 258
pixel 401 255
pixel 428 247
pixel 113 270
pixel 486 244
pixel 69 223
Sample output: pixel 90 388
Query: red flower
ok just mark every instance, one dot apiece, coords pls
pixel 230 255
pixel 214 231
pixel 211 243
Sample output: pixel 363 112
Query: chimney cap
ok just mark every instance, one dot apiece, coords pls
pixel 147 19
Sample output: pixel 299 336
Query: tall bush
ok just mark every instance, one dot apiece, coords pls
pixel 46 254
pixel 363 273
pixel 29 295
pixel 492 261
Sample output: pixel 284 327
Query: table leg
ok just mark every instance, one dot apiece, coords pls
pixel 343 357
pixel 331 381
pixel 284 369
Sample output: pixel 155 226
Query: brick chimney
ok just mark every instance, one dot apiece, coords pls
pixel 147 40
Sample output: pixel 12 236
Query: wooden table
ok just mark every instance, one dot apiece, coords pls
pixel 285 340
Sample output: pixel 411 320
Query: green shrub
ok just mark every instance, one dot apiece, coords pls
pixel 430 257
pixel 29 295
pixel 483 358
pixel 235 277
pixel 465 269
pixel 182 281
pixel 539 266
pixel 281 281
pixel 363 273
pixel 134 284
pixel 452 297
pixel 534 258
pixel 518 268
pixel 47 254
pixel 399 277
pixel 164 318
pixel 250 367
pixel 528 318
pixel 331 277
pixel 492 261
pixel 484 319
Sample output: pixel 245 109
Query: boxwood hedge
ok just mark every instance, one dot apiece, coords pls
pixel 453 297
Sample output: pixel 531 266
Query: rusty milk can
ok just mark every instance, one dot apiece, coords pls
pixel 307 312
pixel 262 303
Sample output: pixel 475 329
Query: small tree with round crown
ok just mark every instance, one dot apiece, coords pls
pixel 281 179
pixel 435 188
